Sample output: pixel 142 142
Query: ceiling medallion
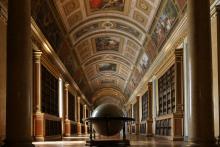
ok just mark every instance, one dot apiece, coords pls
pixel 107 25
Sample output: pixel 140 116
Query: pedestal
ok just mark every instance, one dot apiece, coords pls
pixel 39 126
pixel 67 128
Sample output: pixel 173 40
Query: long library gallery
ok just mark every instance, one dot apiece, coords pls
pixel 109 73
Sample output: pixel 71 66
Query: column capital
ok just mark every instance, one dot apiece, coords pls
pixel 78 98
pixel 179 55
pixel 66 85
pixel 37 56
pixel 149 85
pixel 138 98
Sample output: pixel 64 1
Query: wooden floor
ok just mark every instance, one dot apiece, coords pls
pixel 136 141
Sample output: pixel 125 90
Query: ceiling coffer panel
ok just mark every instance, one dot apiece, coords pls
pixel 118 6
pixel 103 25
pixel 70 11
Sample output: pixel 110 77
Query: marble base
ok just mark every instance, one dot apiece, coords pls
pixel 79 129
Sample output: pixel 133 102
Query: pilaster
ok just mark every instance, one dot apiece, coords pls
pixel 67 125
pixel 38 115
pixel 84 117
pixel 79 130
pixel 149 115
pixel 138 115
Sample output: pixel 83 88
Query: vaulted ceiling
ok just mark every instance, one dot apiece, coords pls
pixel 107 37
pixel 107 45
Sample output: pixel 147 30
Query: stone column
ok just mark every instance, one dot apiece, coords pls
pixel 215 30
pixel 78 117
pixel 84 113
pixel 149 114
pixel 75 107
pixel 38 115
pixel 154 104
pixel 186 90
pixel 132 116
pixel 138 116
pixel 67 129
pixel 201 132
pixel 19 75
pixel 3 50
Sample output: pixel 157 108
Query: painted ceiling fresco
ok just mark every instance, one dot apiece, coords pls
pixel 107 43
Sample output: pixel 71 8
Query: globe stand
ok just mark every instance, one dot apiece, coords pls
pixel 107 143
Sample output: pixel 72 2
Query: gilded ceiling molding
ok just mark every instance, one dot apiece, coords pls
pixel 107 32
pixel 111 91
pixel 115 75
pixel 108 58
pixel 106 18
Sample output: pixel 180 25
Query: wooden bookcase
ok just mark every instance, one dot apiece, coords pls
pixel 73 127
pixel 169 120
pixel 71 107
pixel 166 88
pixel 49 91
pixel 50 104
pixel 144 106
pixel 144 110
pixel 143 128
pixel 52 127
pixel 81 113
pixel 136 117
pixel 71 113
pixel 147 120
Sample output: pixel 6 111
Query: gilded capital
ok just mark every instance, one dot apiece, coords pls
pixel 149 85
pixel 66 86
pixel 137 97
pixel 37 56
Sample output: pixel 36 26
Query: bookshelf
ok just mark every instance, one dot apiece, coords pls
pixel 144 106
pixel 81 113
pixel 169 120
pixel 50 103
pixel 71 106
pixel 49 91
pixel 166 88
pixel 52 127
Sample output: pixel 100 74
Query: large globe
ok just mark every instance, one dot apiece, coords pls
pixel 107 127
